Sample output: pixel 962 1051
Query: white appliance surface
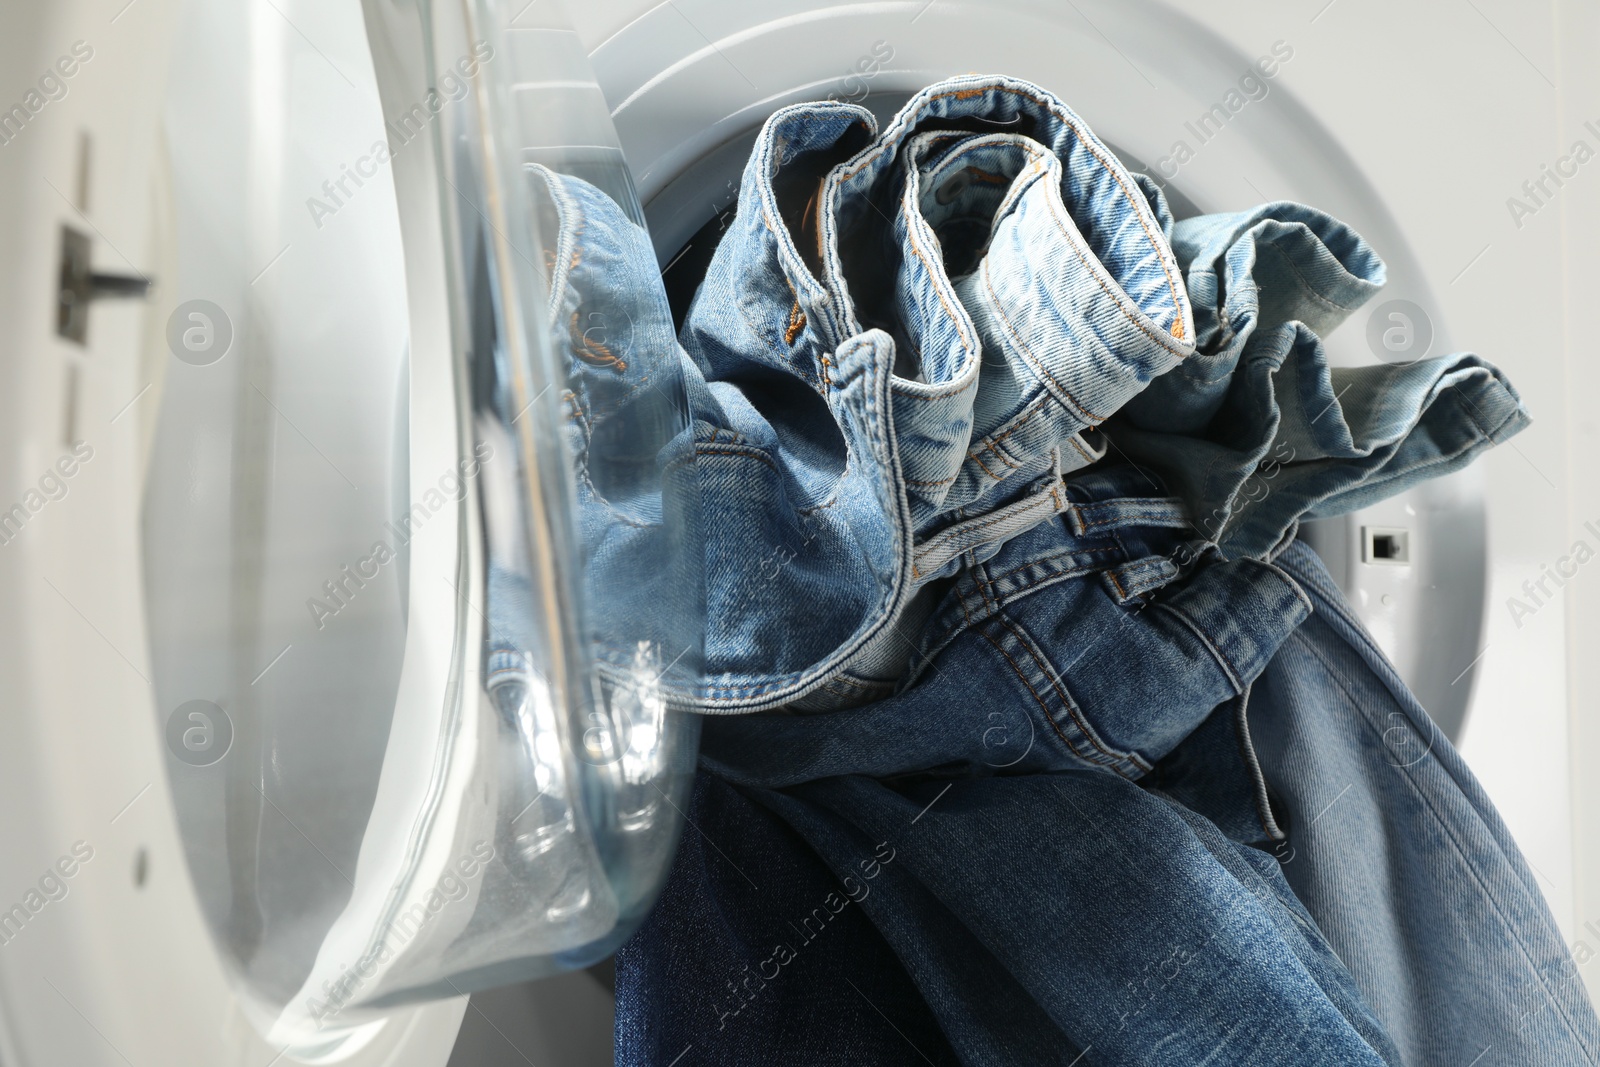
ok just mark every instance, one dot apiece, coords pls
pixel 1419 124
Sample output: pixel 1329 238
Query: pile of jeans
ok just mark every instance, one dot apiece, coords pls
pixel 1057 745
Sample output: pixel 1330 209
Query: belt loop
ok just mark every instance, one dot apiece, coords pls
pixel 1099 517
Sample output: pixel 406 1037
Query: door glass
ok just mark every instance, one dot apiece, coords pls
pixel 419 514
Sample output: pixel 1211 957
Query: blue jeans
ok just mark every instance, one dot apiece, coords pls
pixel 1398 854
pixel 1094 814
pixel 1256 430
pixel 1044 644
pixel 1029 812
pixel 854 451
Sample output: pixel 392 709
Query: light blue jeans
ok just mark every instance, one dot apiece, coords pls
pixel 1256 430
pixel 906 338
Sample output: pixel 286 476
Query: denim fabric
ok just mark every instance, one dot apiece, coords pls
pixel 638 497
pixel 1049 894
pixel 852 445
pixel 1046 668
pixel 1106 812
pixel 1255 430
pixel 786 968
pixel 1402 860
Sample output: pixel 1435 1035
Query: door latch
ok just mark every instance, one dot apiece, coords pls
pixel 81 284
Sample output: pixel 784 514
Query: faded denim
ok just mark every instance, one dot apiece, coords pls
pixel 856 452
pixel 1256 430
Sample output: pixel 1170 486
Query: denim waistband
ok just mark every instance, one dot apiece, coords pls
pixel 869 462
pixel 854 469
pixel 1080 670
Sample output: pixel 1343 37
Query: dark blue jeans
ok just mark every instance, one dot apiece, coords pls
pixel 1038 829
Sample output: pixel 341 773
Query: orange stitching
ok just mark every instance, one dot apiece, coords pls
pixel 1091 457
pixel 1111 576
pixel 997 477
pixel 1049 718
pixel 797 322
pixel 939 291
pixel 990 443
pixel 1177 322
pixel 593 352
pixel 988 175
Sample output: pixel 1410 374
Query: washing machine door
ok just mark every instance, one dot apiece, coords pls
pixel 419 509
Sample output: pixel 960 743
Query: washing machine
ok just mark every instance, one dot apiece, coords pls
pixel 273 283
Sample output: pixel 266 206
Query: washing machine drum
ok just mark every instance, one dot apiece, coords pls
pixel 422 575
pixel 420 589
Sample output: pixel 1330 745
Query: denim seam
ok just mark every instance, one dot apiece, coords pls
pixel 1058 684
pixel 1206 643
pixel 826 504
pixel 1084 569
pixel 616 514
pixel 799 683
pixel 1205 479
pixel 568 231
pixel 789 262
pixel 1033 360
pixel 788 252
pixel 989 602
pixel 994 519
pixel 759 332
pixel 940 281
pixel 1120 517
pixel 844 681
pixel 1018 183
pixel 1258 777
pixel 578 414
pixel 1119 295
pixel 737 452
pixel 1443 458
pixel 1174 286
pixel 985 467
pixel 1088 456
pixel 594 353
pixel 619 402
pixel 1462 404
pixel 795 325
pixel 1508 928
pixel 1194 370
pixel 939 292
pixel 1080 563
pixel 991 444
pixel 876 411
pixel 1043 707
pixel 1447 457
